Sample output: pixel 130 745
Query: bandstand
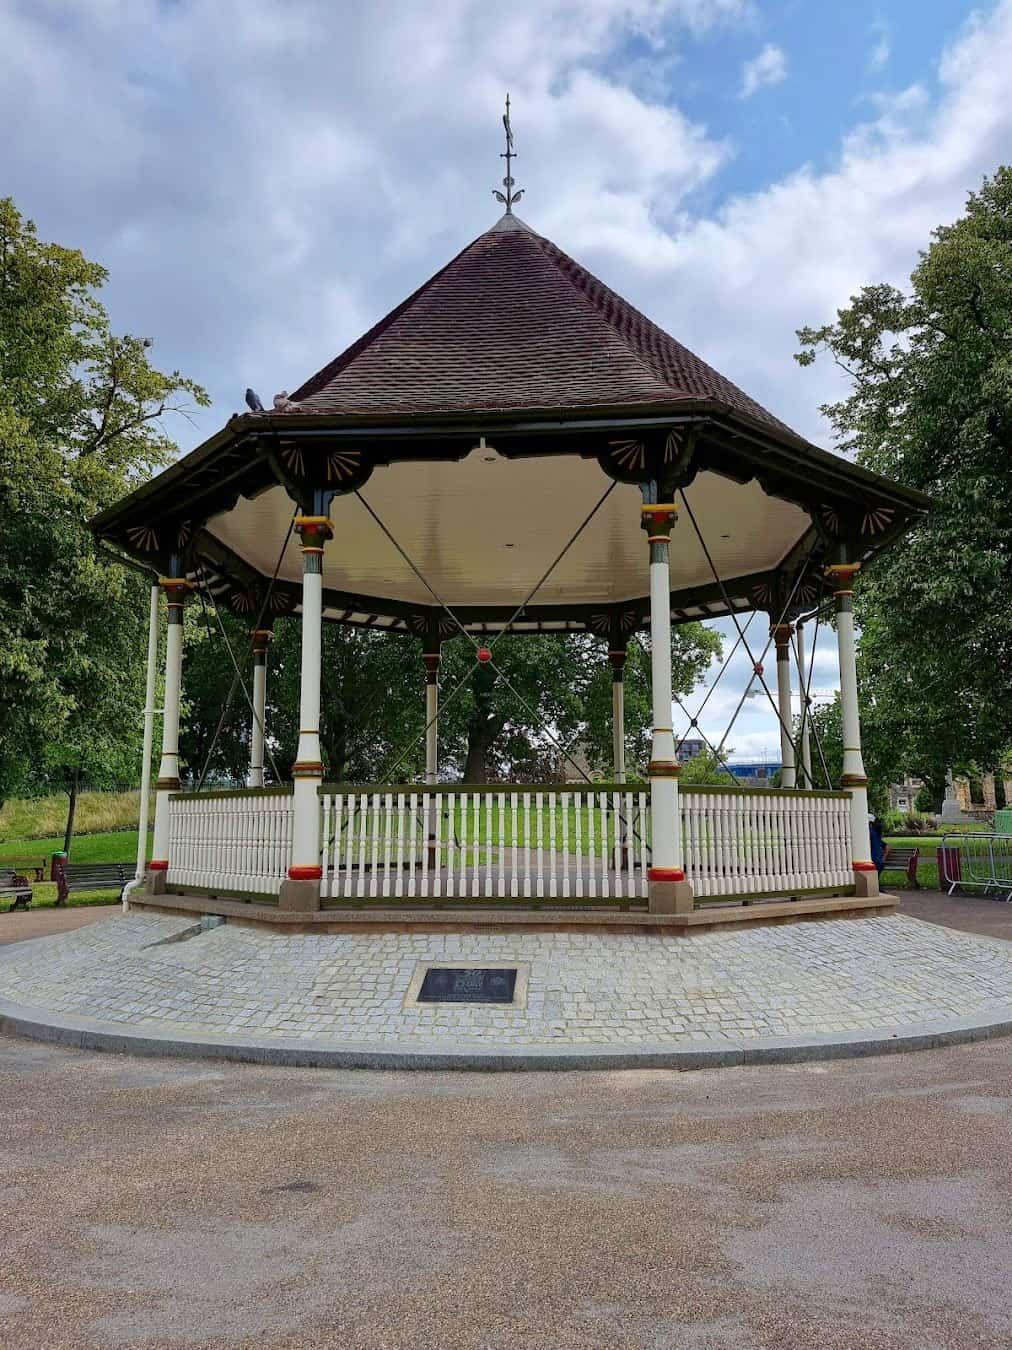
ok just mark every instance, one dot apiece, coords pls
pixel 513 449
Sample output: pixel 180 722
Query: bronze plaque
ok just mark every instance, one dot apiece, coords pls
pixel 459 984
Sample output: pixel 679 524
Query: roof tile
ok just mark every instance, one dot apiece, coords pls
pixel 513 323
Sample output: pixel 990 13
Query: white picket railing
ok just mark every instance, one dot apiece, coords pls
pixel 230 841
pixel 505 843
pixel 754 842
pixel 512 843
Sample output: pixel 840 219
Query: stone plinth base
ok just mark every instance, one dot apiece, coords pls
pixel 301 896
pixel 399 918
pixel 866 885
pixel 670 897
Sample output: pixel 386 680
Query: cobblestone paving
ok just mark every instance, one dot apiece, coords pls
pixel 585 989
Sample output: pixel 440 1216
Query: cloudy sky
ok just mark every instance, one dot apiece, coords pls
pixel 265 180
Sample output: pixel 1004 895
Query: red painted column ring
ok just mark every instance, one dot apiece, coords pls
pixel 306 873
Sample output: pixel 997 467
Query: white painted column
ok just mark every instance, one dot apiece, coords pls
pixel 149 730
pixel 431 660
pixel 175 589
pixel 854 778
pixel 805 776
pixel 781 634
pixel 307 771
pixel 255 777
pixel 617 657
pixel 669 892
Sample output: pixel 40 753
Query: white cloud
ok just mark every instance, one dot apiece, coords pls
pixel 768 68
pixel 882 45
pixel 263 186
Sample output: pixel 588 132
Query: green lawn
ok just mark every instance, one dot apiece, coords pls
pixel 116 846
pixel 41 818
pixel 44 897
pixel 927 876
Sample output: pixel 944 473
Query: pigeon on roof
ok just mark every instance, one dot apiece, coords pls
pixel 253 402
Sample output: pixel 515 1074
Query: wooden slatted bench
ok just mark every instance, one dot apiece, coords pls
pixel 89 877
pixel 14 886
pixel 23 866
pixel 903 860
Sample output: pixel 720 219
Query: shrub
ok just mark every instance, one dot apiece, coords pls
pixel 915 823
pixel 908 822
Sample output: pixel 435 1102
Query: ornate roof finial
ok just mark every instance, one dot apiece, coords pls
pixel 508 156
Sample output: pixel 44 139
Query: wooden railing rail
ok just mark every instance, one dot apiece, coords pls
pixel 230 841
pixel 765 842
pixel 496 842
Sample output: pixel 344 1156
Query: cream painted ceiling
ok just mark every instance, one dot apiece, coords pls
pixel 483 531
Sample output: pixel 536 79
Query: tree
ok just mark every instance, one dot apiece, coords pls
pixel 705 770
pixel 81 413
pixel 544 692
pixel 827 751
pixel 931 405
pixel 506 719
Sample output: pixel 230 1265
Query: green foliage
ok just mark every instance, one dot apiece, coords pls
pixel 931 405
pixel 909 823
pixel 373 702
pixel 877 750
pixel 705 768
pixel 504 720
pixel 80 421
pixel 924 802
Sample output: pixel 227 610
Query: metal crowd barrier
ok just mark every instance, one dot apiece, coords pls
pixel 976 861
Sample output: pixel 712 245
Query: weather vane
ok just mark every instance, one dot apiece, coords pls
pixel 508 156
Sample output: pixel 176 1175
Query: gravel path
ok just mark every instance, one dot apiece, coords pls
pixel 164 1204
pixel 33 923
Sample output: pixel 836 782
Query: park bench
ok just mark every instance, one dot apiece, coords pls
pixel 23 866
pixel 14 886
pixel 903 860
pixel 89 877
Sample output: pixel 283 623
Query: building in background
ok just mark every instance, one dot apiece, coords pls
pixel 755 773
pixel 903 795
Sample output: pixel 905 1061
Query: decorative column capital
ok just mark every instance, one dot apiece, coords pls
pixel 617 658
pixel 314 532
pixel 781 634
pixel 664 768
pixel 658 519
pixel 177 590
pixel 431 660
pixel 842 576
pixel 259 642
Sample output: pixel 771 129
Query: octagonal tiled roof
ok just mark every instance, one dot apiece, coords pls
pixel 513 323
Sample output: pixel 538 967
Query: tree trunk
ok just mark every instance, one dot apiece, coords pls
pixel 482 727
pixel 334 742
pixel 482 732
pixel 478 742
pixel 71 808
